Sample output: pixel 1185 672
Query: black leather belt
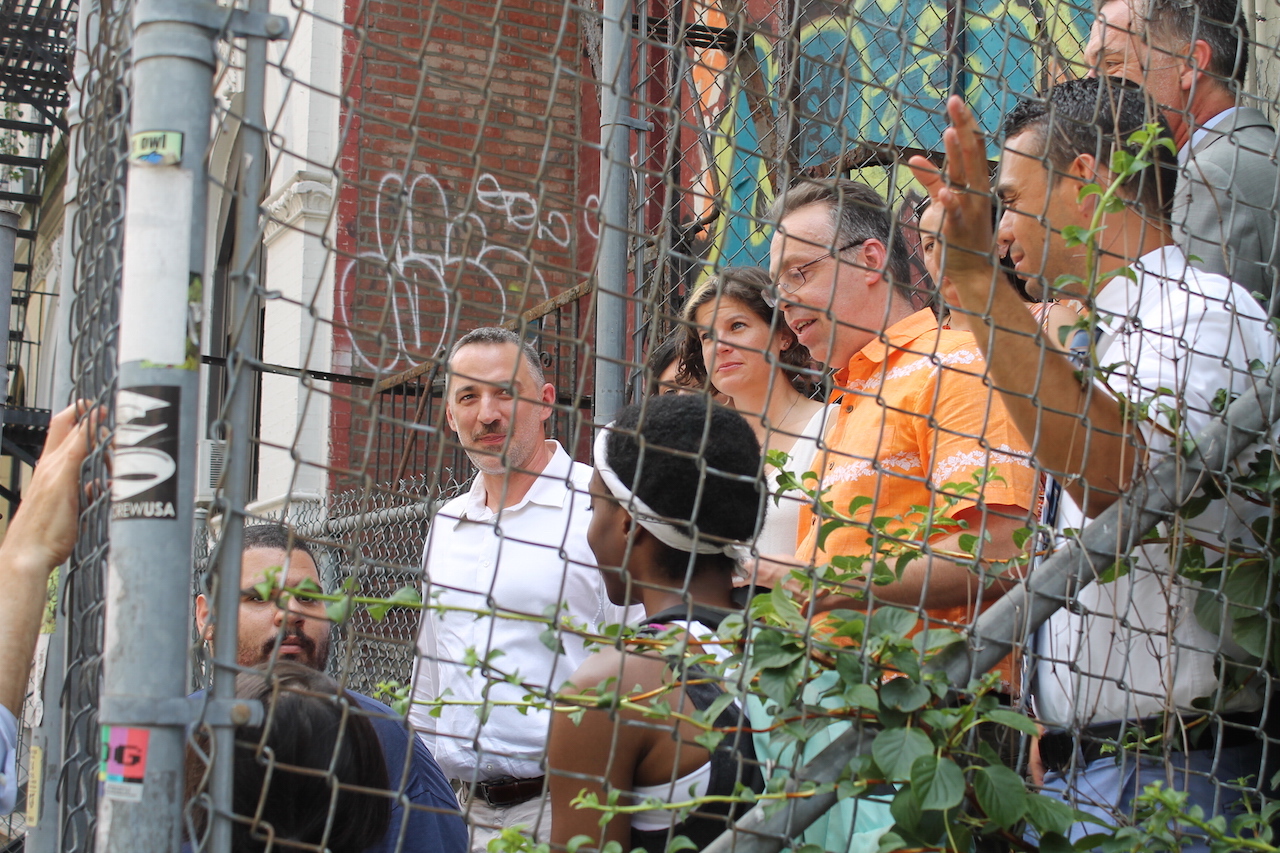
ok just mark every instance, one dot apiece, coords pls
pixel 1058 747
pixel 506 792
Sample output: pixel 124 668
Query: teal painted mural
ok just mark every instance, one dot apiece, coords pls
pixel 877 73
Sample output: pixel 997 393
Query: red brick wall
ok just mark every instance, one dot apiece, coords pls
pixel 466 179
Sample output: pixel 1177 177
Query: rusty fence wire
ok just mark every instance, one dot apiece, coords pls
pixel 580 176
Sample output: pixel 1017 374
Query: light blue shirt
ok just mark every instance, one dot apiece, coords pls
pixel 8 756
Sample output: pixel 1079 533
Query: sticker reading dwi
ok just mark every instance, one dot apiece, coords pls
pixel 156 148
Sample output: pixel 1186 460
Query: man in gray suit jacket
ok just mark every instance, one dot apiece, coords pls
pixel 1190 57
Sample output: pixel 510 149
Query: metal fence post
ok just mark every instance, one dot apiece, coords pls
pixel 238 427
pixel 615 176
pixel 148 581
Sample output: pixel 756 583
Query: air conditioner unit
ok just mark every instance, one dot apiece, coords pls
pixel 211 459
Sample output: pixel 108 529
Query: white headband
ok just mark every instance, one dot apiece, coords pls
pixel 665 531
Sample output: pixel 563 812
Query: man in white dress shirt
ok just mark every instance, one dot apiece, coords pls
pixel 1133 654
pixel 1190 55
pixel 505 564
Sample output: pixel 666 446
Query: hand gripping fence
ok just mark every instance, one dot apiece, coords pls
pixel 765 828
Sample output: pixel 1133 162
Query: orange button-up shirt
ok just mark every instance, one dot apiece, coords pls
pixel 915 413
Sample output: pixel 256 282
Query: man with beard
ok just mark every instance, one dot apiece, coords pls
pixel 504 563
pixel 283 626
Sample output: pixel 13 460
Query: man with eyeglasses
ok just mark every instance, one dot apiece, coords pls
pixel 916 421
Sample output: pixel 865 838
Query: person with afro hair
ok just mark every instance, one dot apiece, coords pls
pixel 674 497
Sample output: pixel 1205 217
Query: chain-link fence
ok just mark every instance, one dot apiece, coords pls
pixel 1014 469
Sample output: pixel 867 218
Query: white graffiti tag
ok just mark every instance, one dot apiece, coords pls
pixel 415 259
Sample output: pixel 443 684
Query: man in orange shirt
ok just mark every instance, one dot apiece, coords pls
pixel 916 414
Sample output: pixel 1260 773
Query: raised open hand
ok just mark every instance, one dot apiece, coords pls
pixel 962 188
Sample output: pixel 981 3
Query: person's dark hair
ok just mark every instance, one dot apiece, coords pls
pixel 858 213
pixel 660 358
pixel 748 286
pixel 1011 276
pixel 1096 116
pixel 690 460
pixel 1176 24
pixel 308 743
pixel 499 335
pixel 274 537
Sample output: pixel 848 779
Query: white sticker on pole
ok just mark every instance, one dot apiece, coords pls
pixel 157 249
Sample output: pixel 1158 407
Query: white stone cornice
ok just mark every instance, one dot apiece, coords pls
pixel 306 198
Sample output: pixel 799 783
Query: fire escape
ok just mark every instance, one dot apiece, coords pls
pixel 37 39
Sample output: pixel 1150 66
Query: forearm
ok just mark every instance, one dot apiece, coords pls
pixel 24 583
pixel 941 576
pixel 1075 431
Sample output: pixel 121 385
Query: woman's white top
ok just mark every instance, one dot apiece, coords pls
pixel 782 522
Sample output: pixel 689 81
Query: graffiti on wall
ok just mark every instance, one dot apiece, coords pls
pixel 875 72
pixel 422 248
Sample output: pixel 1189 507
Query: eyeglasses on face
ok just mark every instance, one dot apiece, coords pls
pixel 791 280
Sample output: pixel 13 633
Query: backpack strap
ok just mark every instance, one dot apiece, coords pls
pixel 696 613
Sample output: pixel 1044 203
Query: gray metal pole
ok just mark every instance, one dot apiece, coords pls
pixel 611 262
pixel 9 224
pixel 149 569
pixel 1025 608
pixel 239 428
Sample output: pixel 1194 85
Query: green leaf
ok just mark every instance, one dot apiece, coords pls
pixel 893 621
pixel 1049 815
pixel 1055 843
pixel 895 750
pixel 709 740
pixel 1001 794
pixel 891 841
pixel 1013 720
pixel 1208 611
pixel 338 611
pixel 1246 585
pixel 772 649
pixel 577 841
pixel 862 696
pixel 938 783
pixel 903 694
pixel 406 596
pixel 935 638
pixel 1250 632
pixel 781 685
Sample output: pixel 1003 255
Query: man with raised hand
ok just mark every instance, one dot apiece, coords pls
pixel 503 565
pixel 279 625
pixel 1191 55
pixel 1127 654
pixel 40 537
pixel 915 419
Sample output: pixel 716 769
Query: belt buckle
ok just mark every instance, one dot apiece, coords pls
pixel 483 788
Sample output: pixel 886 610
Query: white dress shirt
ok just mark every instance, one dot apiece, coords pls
pixel 1133 648
pixel 530 559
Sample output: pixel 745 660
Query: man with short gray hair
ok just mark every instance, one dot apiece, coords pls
pixel 1191 56
pixel 503 564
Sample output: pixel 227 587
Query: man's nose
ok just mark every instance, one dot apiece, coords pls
pixel 286 614
pixel 490 409
pixel 1004 231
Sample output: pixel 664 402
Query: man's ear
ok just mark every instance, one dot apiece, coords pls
pixel 1196 62
pixel 875 257
pixel 202 617
pixel 548 397
pixel 448 417
pixel 1085 170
